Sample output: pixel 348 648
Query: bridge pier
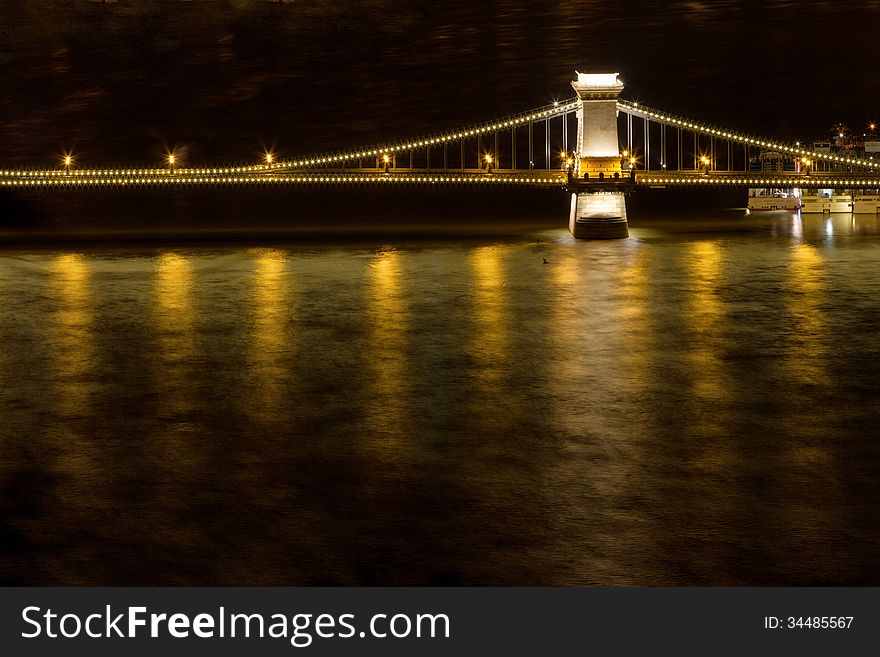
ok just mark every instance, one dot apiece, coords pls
pixel 597 212
pixel 598 215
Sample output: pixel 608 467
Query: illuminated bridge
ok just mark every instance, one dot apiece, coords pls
pixel 596 145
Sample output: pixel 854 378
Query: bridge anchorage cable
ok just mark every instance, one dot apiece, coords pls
pixel 682 123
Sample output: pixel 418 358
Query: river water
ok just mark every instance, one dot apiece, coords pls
pixel 694 405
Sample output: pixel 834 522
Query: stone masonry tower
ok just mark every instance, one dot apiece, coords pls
pixel 598 204
pixel 597 146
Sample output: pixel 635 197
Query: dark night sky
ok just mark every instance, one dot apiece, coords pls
pixel 119 82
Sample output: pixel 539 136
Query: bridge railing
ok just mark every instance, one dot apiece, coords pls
pixel 543 179
pixel 757 179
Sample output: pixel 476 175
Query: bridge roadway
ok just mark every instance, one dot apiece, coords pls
pixel 759 179
pixel 165 178
pixel 153 178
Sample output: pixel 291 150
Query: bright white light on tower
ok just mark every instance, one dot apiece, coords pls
pixel 597 79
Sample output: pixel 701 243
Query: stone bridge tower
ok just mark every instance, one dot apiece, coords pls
pixel 598 204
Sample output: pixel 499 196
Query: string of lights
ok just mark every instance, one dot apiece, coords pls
pixel 552 179
pixel 323 161
pixel 639 110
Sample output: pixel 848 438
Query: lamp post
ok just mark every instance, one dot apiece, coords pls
pixel 706 163
pixel 568 159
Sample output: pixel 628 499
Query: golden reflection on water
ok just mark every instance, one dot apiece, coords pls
pixel 490 314
pixel 177 452
pixel 706 321
pixel 633 338
pixel 569 364
pixel 566 327
pixel 74 449
pixel 173 322
pixel 711 450
pixel 270 340
pixel 633 313
pixel 807 353
pixel 601 329
pixel 633 443
pixel 74 317
pixel 389 316
pixel 808 456
pixel 3 356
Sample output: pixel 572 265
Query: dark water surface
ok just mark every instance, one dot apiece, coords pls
pixel 694 405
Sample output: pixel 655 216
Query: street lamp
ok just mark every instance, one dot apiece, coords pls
pixel 68 162
pixel 386 160
pixel 488 159
pixel 566 160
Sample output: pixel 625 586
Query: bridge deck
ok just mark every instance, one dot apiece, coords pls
pixel 505 177
pixel 765 179
pixel 192 178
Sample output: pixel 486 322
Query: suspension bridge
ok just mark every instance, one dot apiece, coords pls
pixel 596 145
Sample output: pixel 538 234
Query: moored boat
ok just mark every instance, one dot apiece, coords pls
pixel 774 199
pixel 866 204
pixel 826 201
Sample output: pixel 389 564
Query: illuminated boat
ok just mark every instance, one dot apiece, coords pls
pixel 826 201
pixel 774 199
pixel 866 204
